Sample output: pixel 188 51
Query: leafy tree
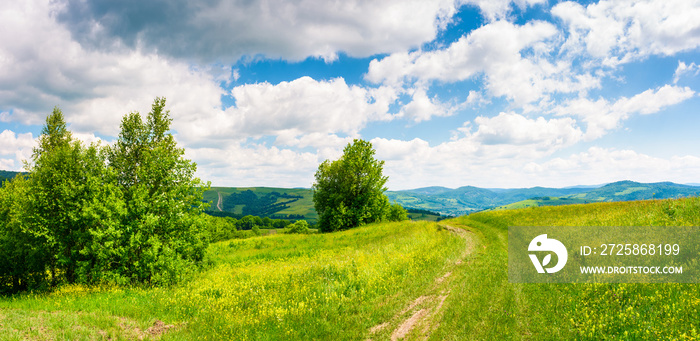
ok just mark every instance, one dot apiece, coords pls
pixel 349 192
pixel 24 256
pixel 72 208
pixel 397 213
pixel 129 213
pixel 163 229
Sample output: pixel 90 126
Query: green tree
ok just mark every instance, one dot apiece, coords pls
pixel 23 253
pixel 397 213
pixel 72 207
pixel 163 228
pixel 349 192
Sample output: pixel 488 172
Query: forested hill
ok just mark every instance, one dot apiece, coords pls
pixel 469 199
pixel 298 204
pixel 6 175
pixel 630 190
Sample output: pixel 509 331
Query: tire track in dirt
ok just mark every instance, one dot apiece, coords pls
pixel 424 311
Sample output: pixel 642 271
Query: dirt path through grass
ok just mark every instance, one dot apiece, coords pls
pixel 219 203
pixel 423 314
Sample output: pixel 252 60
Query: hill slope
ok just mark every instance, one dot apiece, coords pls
pixel 292 203
pixel 469 199
pixel 630 190
pixel 7 175
pixel 286 202
pixel 410 281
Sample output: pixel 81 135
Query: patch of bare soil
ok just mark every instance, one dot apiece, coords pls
pixel 407 325
pixel 154 332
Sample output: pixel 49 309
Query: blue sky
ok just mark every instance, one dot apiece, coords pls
pixel 488 93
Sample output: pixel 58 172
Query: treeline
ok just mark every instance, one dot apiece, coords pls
pixel 7 175
pixel 126 213
pixel 223 228
pixel 265 205
pixel 424 213
pixel 273 216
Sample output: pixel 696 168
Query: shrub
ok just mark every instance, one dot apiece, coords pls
pixel 301 227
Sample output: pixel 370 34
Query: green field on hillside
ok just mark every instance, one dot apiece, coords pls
pixel 410 280
pixel 543 201
pixel 302 206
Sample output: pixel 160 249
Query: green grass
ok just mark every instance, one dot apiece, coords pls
pixel 318 286
pixel 483 305
pixel 367 282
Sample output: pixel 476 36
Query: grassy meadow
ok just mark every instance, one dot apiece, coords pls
pixel 408 280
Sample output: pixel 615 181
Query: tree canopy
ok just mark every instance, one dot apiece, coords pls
pixel 130 213
pixel 349 192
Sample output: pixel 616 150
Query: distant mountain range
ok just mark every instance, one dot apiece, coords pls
pixel 465 200
pixel 297 202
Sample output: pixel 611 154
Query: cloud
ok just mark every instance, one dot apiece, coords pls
pixel 291 109
pixel 513 59
pixel 254 165
pixel 19 146
pixel 499 9
pixel 512 128
pixel 621 31
pixel 500 145
pixel 43 67
pixel 423 108
pixel 684 69
pixel 601 115
pixel 224 31
pixel 602 165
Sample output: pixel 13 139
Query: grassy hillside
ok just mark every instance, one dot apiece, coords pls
pixel 543 201
pixel 453 202
pixel 283 201
pixel 280 287
pixel 412 280
pixel 465 200
pixel 489 307
pixel 630 190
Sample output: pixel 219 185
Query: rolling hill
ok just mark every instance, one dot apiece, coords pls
pixel 630 190
pixel 402 280
pixel 6 175
pixel 291 203
pixel 281 202
pixel 469 199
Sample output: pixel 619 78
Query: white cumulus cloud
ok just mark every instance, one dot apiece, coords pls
pixel 226 30
pixel 602 115
pixel 620 31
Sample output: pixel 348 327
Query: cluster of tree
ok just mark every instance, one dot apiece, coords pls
pixel 126 213
pixel 247 222
pixel 265 205
pixel 421 211
pixel 273 216
pixel 225 228
pixel 300 227
pixel 349 192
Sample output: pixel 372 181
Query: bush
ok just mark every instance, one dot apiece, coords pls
pixel 130 213
pixel 397 213
pixel 301 227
